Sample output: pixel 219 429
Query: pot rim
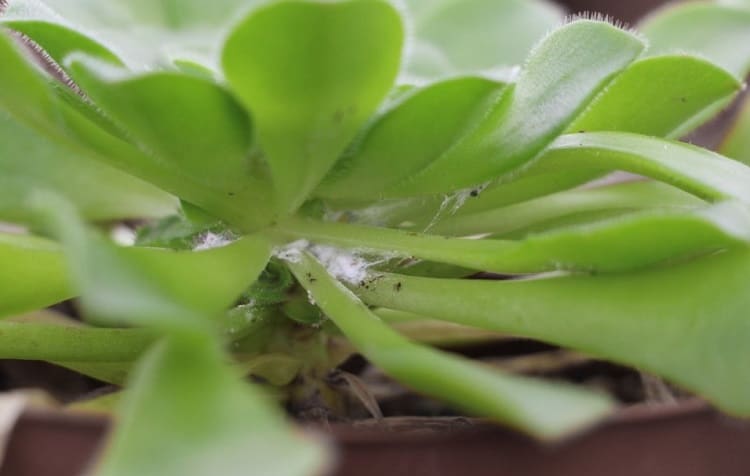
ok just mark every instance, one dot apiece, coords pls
pixel 414 427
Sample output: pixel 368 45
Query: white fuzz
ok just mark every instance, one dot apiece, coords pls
pixel 344 265
pixel 123 235
pixel 291 252
pixel 210 240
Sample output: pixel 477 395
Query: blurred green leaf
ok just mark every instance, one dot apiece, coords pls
pixel 311 88
pixel 55 342
pixel 29 161
pixel 737 143
pixel 686 323
pixel 153 286
pixel 58 41
pixel 720 33
pixel 544 409
pixel 33 275
pixel 186 403
pixel 146 34
pixel 469 36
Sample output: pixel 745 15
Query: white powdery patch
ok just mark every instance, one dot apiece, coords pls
pixel 210 240
pixel 344 265
pixel 123 235
pixel 350 266
pixel 291 252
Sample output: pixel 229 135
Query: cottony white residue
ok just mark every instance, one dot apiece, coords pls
pixel 344 265
pixel 123 235
pixel 291 252
pixel 210 240
pixel 350 266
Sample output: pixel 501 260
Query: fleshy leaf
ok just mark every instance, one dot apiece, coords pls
pixel 544 409
pixel 698 171
pixel 570 206
pixel 192 126
pixel 36 100
pixel 646 98
pixel 71 343
pixel 58 41
pixel 620 244
pixel 563 73
pixel 153 286
pixel 459 36
pixel 686 323
pixel 186 402
pixel 144 34
pixel 29 161
pixel 409 136
pixel 720 33
pixel 33 274
pixel 311 73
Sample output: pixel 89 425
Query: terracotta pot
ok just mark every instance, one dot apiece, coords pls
pixel 689 439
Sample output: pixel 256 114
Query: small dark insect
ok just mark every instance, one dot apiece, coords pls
pixel 310 277
pixel 474 193
pixel 397 286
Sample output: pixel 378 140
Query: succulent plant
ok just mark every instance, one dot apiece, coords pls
pixel 306 173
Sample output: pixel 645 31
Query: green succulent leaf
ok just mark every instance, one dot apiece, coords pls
pixel 312 87
pixel 115 373
pixel 720 33
pixel 220 426
pixel 620 244
pixel 59 41
pixel 686 322
pixel 195 130
pixel 408 136
pixel 71 343
pixel 33 275
pixel 543 409
pixel 459 36
pixel 153 286
pixel 144 34
pixel 36 100
pixel 66 119
pixel 646 98
pixel 560 77
pixel 30 161
pixel 567 207
pixel 705 174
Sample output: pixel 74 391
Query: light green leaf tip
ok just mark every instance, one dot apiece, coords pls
pixel 311 73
